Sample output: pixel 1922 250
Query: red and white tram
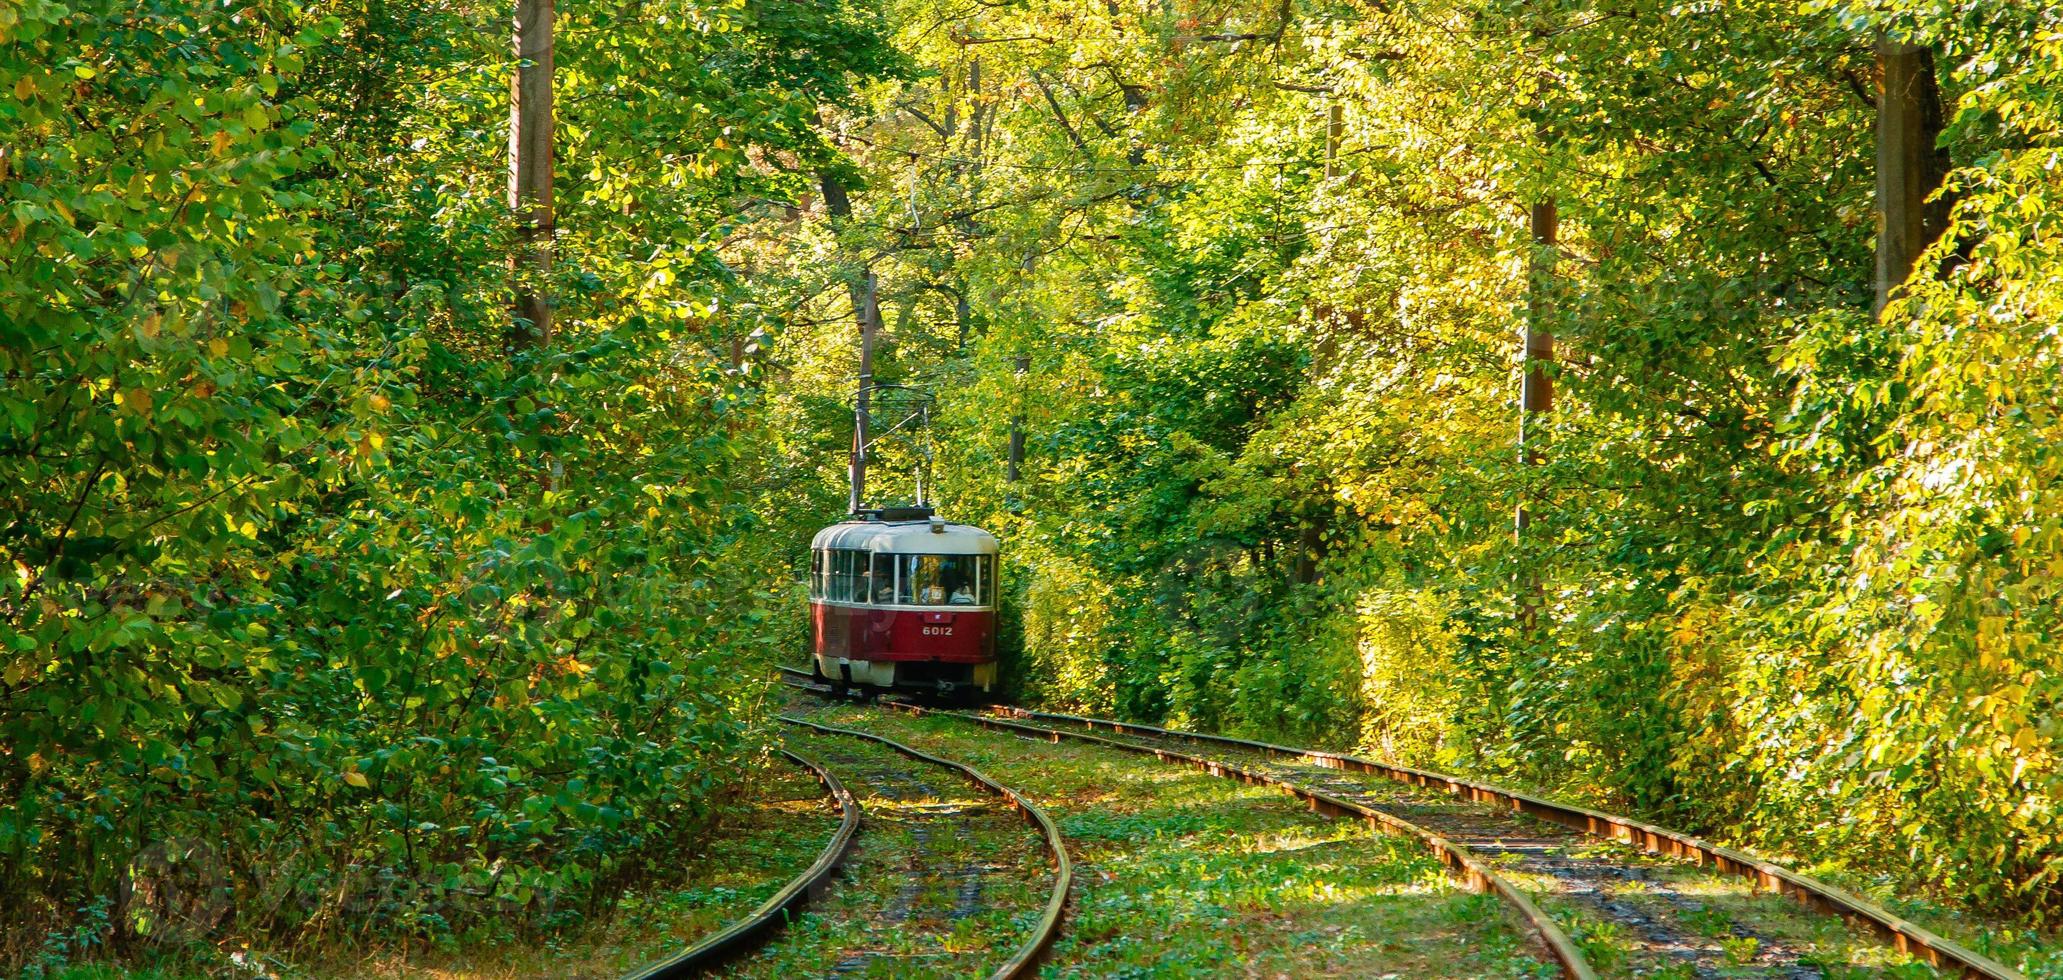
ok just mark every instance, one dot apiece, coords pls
pixel 901 599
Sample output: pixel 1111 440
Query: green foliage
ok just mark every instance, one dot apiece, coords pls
pixel 1795 563
pixel 320 600
pixel 324 615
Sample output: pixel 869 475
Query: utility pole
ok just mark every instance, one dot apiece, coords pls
pixel 1017 423
pixel 1910 164
pixel 530 174
pixel 1536 389
pixel 866 311
pixel 867 308
pixel 1335 130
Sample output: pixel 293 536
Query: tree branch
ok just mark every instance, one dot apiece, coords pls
pixel 944 134
pixel 967 41
pixel 1060 114
pixel 1861 91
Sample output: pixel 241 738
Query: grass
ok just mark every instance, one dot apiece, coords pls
pixel 2038 955
pixel 1181 874
pixel 1822 941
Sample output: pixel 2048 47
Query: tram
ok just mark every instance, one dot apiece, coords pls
pixel 902 600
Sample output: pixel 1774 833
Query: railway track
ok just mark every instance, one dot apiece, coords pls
pixel 928 827
pixel 1532 864
pixel 1901 934
pixel 1460 861
pixel 743 936
pixel 1588 863
pixel 938 888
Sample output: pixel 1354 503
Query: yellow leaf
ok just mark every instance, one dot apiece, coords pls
pixel 138 400
pixel 218 347
pixel 356 778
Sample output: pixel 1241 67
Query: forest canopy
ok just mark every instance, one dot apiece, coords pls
pixel 343 596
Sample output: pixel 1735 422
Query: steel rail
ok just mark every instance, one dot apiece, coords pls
pixel 1024 962
pixel 1459 860
pixel 744 935
pixel 1907 937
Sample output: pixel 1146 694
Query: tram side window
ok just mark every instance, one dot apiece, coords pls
pixel 816 574
pixel 880 579
pixel 845 567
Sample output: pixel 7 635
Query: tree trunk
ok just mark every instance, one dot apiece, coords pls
pixel 530 174
pixel 1910 164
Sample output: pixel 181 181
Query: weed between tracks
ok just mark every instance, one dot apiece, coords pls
pixel 2036 954
pixel 945 880
pixel 1663 918
pixel 1181 874
pixel 1632 913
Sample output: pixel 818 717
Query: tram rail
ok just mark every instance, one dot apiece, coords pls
pixel 1901 934
pixel 746 934
pixel 1023 962
pixel 1460 861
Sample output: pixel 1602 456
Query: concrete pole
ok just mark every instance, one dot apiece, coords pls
pixel 530 174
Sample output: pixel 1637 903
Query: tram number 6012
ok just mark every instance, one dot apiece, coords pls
pixel 938 631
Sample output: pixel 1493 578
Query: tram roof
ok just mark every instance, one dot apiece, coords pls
pixel 906 537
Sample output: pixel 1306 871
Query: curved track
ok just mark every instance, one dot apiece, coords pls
pixel 742 936
pixel 1464 820
pixel 1901 934
pixel 1460 861
pixel 1024 959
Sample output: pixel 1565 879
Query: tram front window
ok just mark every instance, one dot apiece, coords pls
pixel 937 580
